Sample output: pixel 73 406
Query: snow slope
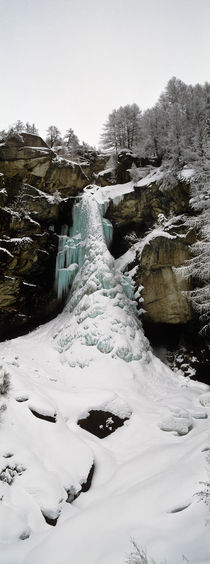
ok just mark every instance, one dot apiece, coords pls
pixel 148 473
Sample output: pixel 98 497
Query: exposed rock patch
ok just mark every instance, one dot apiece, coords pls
pixel 180 508
pixel 50 520
pixel 43 416
pixel 163 281
pixel 38 165
pixel 140 210
pixel 72 494
pixel 9 473
pixel 101 423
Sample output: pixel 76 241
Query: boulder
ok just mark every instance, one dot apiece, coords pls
pixel 164 282
pixel 38 165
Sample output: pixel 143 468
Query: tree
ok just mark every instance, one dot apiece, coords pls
pixel 122 129
pixel 175 129
pixel 134 173
pixel 53 136
pixel 3 135
pixel 18 126
pixel 72 143
pixel 31 128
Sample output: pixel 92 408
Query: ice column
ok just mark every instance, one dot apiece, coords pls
pixel 72 242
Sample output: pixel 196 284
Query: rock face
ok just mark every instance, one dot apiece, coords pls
pixel 159 264
pixel 37 190
pixel 30 217
pixel 28 249
pixel 163 281
pixel 140 210
pixel 39 166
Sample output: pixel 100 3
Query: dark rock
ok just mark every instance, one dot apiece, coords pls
pixel 32 140
pixel 39 415
pixel 2 185
pixel 72 494
pixel 25 534
pixel 50 520
pixel 86 485
pixel 164 289
pixel 101 423
pixel 39 166
pixel 139 210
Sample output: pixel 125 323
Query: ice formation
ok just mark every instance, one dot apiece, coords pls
pixel 101 300
pixel 72 241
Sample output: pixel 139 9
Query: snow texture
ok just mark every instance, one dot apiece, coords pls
pixel 94 356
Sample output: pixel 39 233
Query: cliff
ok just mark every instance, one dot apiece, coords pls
pixel 151 222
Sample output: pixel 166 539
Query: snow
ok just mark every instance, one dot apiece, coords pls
pixel 148 473
pixel 43 150
pixel 21 240
pixel 37 194
pixel 187 174
pixel 105 171
pixel 60 161
pixel 31 285
pixel 115 193
pixel 130 255
pixel 155 176
pixel 6 252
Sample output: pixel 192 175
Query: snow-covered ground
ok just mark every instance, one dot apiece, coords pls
pixel 148 474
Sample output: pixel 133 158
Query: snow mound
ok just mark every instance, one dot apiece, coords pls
pixel 180 421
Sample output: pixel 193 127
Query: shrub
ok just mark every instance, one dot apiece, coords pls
pixel 139 556
pixel 4 382
pixel 4 387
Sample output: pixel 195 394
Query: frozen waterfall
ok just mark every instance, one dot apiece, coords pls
pixel 100 297
pixel 72 241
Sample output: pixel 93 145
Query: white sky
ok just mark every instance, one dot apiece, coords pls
pixel 70 62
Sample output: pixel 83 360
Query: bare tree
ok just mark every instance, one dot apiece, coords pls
pixel 53 136
pixel 31 128
pixel 122 129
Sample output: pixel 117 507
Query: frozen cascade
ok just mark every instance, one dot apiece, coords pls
pixel 101 299
pixel 71 248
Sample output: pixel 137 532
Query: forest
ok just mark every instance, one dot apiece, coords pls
pixel 173 131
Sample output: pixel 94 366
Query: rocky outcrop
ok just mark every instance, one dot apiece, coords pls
pixel 159 264
pixel 39 166
pixel 164 284
pixel 140 210
pixel 27 266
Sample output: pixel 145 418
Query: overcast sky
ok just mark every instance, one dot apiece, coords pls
pixel 69 63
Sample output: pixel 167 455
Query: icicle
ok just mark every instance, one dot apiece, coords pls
pixel 108 231
pixel 87 239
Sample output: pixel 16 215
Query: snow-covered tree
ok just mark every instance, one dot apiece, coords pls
pixel 2 134
pixel 53 136
pixel 134 173
pixel 122 129
pixel 31 128
pixel 174 130
pixel 4 388
pixel 18 126
pixel 71 142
